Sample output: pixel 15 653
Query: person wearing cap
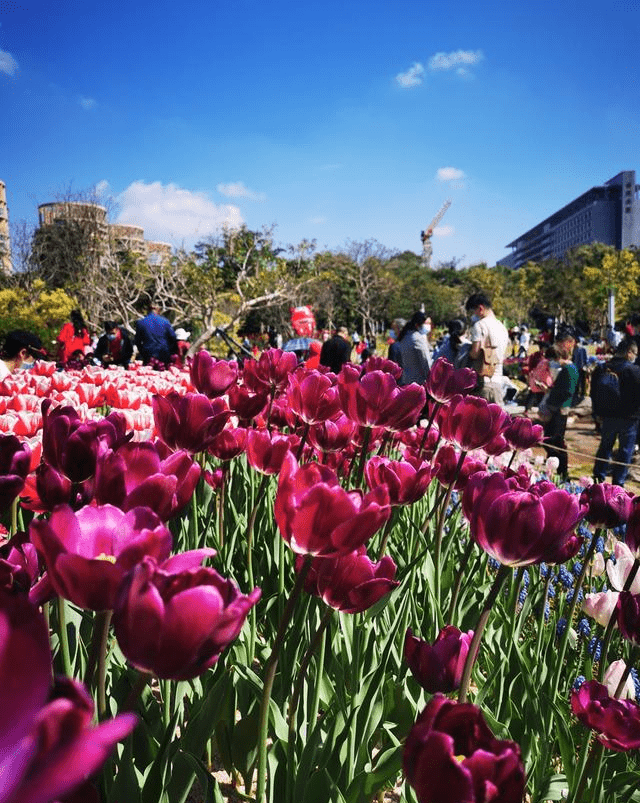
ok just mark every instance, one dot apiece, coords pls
pixel 114 347
pixel 183 344
pixel 19 345
pixel 155 338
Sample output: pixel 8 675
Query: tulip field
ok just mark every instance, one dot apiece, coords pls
pixel 268 583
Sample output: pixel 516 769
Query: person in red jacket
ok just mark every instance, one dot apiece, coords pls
pixel 74 336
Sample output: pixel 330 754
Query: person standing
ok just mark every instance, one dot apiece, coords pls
pixel 114 347
pixel 489 345
pixel 155 338
pixel 73 337
pixel 554 408
pixel 415 354
pixel 394 345
pixel 619 411
pixel 336 351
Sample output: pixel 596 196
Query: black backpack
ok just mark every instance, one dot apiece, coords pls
pixel 605 392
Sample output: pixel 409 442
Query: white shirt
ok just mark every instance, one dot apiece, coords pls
pixel 490 331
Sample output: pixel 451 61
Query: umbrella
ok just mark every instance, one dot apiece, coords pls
pixel 299 344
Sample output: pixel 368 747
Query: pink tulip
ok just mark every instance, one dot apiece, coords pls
pixel 600 606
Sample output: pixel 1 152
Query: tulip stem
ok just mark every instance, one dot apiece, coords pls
pixel 269 677
pixel 387 532
pixel 249 536
pixel 435 409
pixel 14 516
pixel 64 637
pixel 440 527
pixel 363 456
pixel 474 647
pixel 136 690
pixel 223 488
pixel 103 621
pixel 595 756
pixel 633 657
pixel 572 609
pixel 458 584
pixel 545 594
pixel 303 441
pixel 295 697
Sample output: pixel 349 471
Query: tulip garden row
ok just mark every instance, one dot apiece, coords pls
pixel 329 586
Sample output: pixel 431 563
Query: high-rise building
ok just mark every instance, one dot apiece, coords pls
pixel 609 214
pixel 5 239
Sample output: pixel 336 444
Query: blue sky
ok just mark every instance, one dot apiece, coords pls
pixel 332 120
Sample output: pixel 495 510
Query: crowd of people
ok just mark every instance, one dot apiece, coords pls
pixel 554 366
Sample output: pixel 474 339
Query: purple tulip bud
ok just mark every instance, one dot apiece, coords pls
pixel 628 616
pixel 212 377
pixel 438 667
pixel 15 458
pixel 522 433
pixel 445 381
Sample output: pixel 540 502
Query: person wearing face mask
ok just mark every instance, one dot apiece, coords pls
pixel 19 348
pixel 114 347
pixel 415 353
pixel 489 345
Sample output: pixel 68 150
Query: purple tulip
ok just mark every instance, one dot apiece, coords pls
pixel 471 422
pixel 438 667
pixel 136 476
pixel 316 516
pixel 446 463
pixel 270 372
pixel 312 396
pixel 451 756
pixel 522 433
pixel 445 381
pixel 628 616
pixel 212 377
pixel 175 621
pixel 72 447
pixel 407 481
pixel 350 583
pixel 632 533
pixel 616 722
pixel 607 505
pixel 374 399
pixel 519 528
pixel 189 422
pixel 332 436
pixel 19 565
pixel 89 552
pixel 265 452
pixel 230 443
pixel 48 744
pixel 376 363
pixel 15 459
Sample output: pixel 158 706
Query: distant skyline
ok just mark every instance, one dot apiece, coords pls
pixel 331 120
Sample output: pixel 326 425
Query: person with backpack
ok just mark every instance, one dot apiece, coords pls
pixel 489 345
pixel 554 408
pixel 615 397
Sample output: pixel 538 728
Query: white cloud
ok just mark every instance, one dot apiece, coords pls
pixel 317 221
pixel 457 58
pixel 169 213
pixel 449 174
pixel 8 65
pixel 238 190
pixel 443 231
pixel 87 103
pixel 412 77
pixel 102 187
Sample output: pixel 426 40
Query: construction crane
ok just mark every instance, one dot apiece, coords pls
pixel 425 236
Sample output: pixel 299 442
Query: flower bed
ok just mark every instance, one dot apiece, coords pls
pixel 328 582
